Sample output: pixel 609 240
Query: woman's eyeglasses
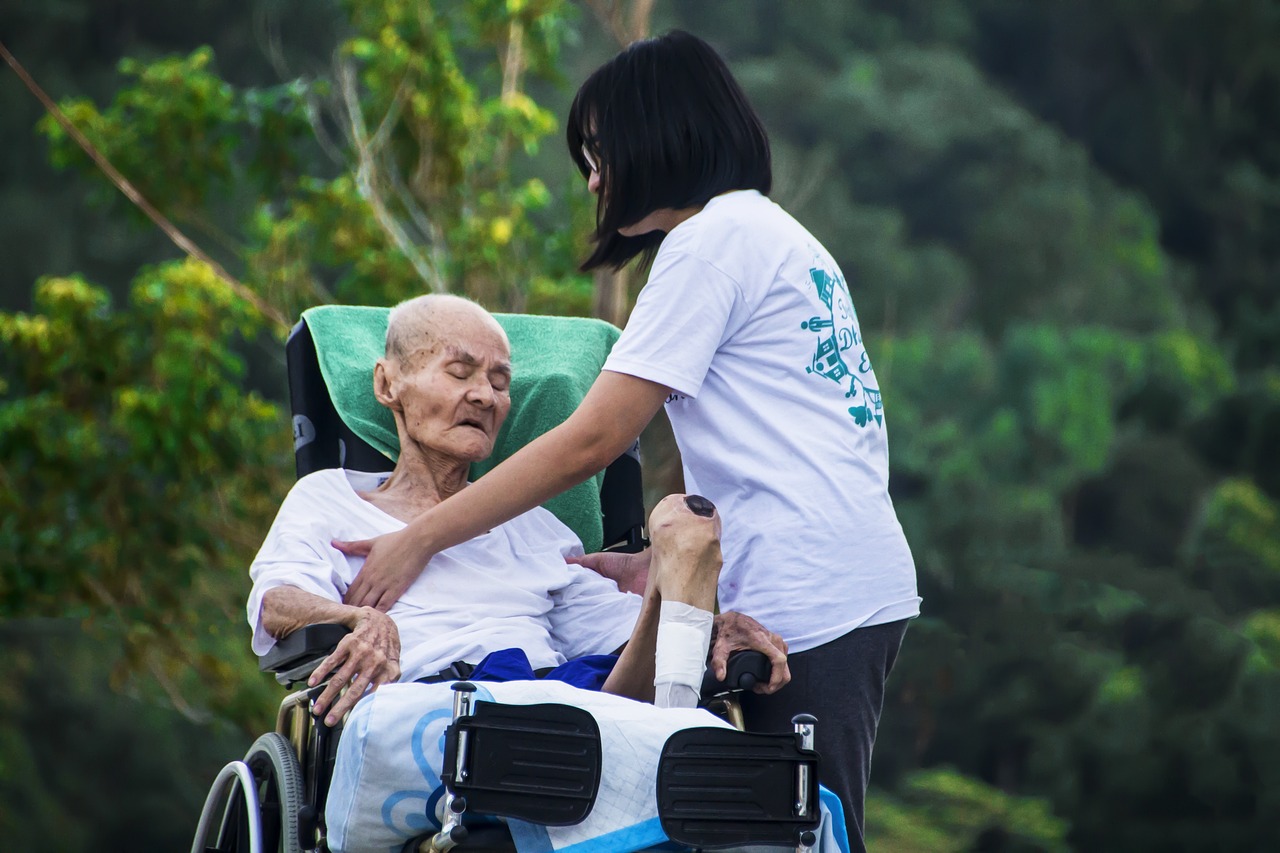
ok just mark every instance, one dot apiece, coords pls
pixel 590 160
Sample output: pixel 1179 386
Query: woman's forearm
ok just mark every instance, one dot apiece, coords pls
pixel 539 471
pixel 607 422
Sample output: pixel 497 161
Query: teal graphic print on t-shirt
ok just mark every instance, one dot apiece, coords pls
pixel 839 344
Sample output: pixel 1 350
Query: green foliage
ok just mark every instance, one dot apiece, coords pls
pixel 940 811
pixel 136 467
pixel 1002 433
pixel 447 142
pixel 1263 630
pixel 1082 460
pixel 1174 99
pixel 434 195
pixel 183 134
pixel 990 216
pixel 138 420
pixel 1233 547
pixel 85 767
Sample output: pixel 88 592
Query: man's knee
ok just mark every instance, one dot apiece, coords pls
pixel 685 532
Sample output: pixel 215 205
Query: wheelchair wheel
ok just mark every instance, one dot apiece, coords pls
pixel 253 804
pixel 279 781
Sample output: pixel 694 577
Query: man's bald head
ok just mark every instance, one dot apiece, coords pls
pixel 446 378
pixel 429 321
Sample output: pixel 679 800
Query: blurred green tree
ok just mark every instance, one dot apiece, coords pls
pixel 1077 432
pixel 136 472
pixel 132 450
pixel 140 469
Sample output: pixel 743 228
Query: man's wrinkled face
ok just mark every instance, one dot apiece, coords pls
pixel 455 392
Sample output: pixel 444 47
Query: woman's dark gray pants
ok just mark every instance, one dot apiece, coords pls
pixel 842 684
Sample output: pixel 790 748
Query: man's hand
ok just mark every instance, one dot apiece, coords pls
pixel 366 658
pixel 734 631
pixel 392 563
pixel 629 571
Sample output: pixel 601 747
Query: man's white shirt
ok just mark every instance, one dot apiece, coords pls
pixel 508 588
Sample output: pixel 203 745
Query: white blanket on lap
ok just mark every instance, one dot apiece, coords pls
pixel 386 782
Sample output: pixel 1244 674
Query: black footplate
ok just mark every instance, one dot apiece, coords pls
pixel 724 788
pixel 539 763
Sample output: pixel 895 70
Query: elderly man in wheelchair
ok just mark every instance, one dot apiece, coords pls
pixel 515 611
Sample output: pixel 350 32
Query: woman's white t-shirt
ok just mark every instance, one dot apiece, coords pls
pixel 778 416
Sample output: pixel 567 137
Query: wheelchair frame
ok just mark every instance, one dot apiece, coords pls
pixel 274 799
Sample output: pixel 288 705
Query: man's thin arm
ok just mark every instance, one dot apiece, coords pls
pixel 285 609
pixel 615 411
pixel 364 659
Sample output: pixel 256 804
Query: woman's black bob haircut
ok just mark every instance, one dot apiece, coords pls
pixel 670 128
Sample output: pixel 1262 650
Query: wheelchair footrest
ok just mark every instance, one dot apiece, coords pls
pixel 719 788
pixel 539 763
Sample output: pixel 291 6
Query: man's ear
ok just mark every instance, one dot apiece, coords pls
pixel 384 384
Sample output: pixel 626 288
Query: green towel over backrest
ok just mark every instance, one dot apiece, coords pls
pixel 554 361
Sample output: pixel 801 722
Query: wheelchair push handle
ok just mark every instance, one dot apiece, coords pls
pixel 744 670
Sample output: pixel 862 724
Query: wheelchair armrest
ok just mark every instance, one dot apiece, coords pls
pixel 296 654
pixel 745 670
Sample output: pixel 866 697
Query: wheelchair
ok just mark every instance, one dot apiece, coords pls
pixel 716 787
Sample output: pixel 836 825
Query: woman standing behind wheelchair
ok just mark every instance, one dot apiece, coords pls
pixel 746 332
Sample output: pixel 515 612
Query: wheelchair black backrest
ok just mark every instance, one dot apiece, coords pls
pixel 321 440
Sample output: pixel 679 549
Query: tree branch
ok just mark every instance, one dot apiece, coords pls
pixel 131 192
pixel 366 177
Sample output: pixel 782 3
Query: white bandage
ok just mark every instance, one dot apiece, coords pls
pixel 684 636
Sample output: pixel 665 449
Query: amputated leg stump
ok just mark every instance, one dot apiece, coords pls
pixel 683 572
